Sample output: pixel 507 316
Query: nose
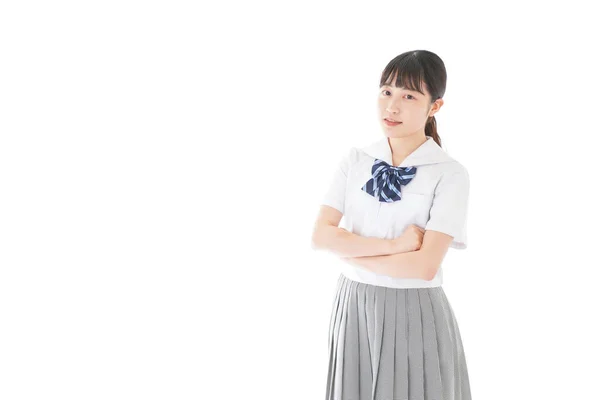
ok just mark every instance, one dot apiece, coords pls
pixel 391 108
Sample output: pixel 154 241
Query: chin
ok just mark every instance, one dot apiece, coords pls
pixel 390 131
pixel 392 134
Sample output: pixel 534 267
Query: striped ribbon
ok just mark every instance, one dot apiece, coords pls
pixel 386 181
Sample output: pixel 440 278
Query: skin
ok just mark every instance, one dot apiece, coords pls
pixel 417 253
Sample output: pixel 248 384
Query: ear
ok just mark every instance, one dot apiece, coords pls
pixel 435 107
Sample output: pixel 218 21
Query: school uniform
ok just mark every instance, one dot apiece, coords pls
pixel 396 338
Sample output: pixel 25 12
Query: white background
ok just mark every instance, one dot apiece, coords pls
pixel 161 167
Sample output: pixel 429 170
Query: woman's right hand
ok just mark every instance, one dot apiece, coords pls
pixel 410 240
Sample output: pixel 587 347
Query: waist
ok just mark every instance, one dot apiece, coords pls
pixel 364 276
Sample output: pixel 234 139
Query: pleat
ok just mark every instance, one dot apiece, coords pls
pixel 431 357
pixel 364 346
pixel 401 352
pixel 415 348
pixel 384 387
pixel 331 348
pixel 379 314
pixel 394 344
pixel 334 312
pixel 462 389
pixel 370 314
pixel 334 334
pixel 446 344
pixel 340 334
pixel 350 379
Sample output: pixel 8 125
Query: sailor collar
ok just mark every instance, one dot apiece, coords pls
pixel 427 153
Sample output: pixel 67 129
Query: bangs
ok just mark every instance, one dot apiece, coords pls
pixel 406 74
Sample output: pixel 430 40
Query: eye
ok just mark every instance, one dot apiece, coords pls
pixel 412 97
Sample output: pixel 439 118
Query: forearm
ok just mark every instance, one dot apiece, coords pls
pixel 409 265
pixel 347 244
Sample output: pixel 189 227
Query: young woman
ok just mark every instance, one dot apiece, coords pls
pixel 403 202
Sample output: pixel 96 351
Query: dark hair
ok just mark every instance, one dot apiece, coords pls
pixel 415 68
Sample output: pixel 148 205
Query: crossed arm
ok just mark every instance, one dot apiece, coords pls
pixel 410 264
pixel 383 256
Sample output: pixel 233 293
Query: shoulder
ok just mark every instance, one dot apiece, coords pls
pixel 453 174
pixel 449 172
pixel 352 156
pixel 455 168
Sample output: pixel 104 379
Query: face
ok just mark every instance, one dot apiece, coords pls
pixel 412 108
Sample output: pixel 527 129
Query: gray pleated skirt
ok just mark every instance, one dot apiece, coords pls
pixel 394 344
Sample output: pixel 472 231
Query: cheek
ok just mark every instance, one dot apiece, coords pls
pixel 416 115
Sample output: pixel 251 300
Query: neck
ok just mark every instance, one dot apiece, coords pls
pixel 401 147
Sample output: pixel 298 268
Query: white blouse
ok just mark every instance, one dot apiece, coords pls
pixel 435 199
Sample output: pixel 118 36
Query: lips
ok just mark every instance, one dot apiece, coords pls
pixel 391 120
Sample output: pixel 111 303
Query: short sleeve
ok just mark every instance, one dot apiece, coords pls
pixel 449 209
pixel 335 195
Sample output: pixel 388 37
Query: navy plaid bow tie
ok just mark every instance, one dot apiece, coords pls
pixel 386 181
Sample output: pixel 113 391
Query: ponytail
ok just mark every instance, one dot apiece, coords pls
pixel 431 130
